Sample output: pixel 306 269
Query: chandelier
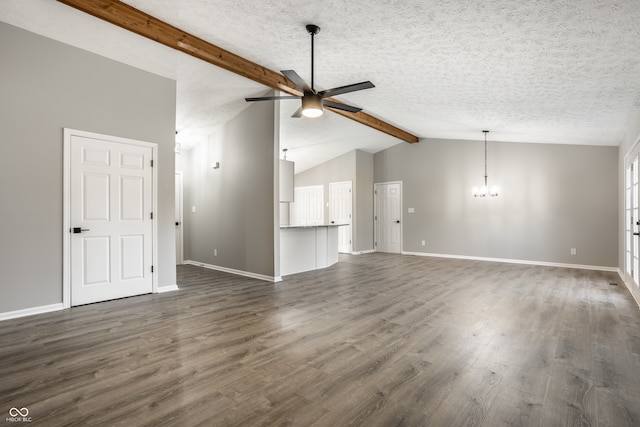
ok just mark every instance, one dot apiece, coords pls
pixel 484 191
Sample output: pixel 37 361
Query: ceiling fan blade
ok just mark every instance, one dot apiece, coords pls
pixel 345 89
pixel 298 113
pixel 272 98
pixel 339 106
pixel 297 80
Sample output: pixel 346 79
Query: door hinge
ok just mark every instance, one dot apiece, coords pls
pixel 151 162
pixel 151 215
pixel 152 268
pixel 375 244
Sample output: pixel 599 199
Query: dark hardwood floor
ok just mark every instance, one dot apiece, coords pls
pixel 377 340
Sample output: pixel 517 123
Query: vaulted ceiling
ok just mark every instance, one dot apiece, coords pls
pixel 536 71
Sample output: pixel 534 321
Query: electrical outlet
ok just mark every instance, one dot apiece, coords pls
pixel 573 251
pixel 215 252
pixel 424 243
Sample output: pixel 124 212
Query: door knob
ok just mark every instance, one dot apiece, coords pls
pixel 77 230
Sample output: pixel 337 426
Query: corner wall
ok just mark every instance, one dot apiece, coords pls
pixel 363 202
pixel 47 86
pixel 235 216
pixel 357 167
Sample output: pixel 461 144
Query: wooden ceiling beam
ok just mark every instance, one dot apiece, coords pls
pixel 375 123
pixel 143 24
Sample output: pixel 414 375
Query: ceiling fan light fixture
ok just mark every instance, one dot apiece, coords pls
pixel 311 105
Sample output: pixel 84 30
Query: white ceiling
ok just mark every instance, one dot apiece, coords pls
pixel 552 71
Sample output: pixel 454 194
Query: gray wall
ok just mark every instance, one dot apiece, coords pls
pixel 355 166
pixel 363 200
pixel 235 204
pixel 553 198
pixel 46 86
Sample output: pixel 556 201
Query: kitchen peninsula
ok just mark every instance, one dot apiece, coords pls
pixel 307 247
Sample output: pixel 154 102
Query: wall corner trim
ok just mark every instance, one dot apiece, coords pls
pixel 31 311
pixel 234 271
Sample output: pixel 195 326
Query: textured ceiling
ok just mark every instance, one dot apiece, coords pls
pixel 530 71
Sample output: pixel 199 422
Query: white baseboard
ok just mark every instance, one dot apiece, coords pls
pixel 516 261
pixel 368 251
pixel 31 311
pixel 234 271
pixel 629 288
pixel 170 288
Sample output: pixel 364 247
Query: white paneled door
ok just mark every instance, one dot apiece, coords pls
pixel 388 217
pixel 110 219
pixel 340 203
pixel 308 205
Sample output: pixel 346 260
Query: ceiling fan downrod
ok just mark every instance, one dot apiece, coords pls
pixel 313 30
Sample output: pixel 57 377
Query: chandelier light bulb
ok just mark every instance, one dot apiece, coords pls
pixel 480 191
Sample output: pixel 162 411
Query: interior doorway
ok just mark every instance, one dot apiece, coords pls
pixel 109 201
pixel 340 212
pixel 388 217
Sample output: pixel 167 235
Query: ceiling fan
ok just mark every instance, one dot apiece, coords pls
pixel 312 100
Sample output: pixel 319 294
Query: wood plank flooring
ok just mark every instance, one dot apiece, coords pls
pixel 376 340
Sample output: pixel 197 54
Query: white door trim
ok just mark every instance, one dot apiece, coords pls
pixel 629 158
pixel 66 204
